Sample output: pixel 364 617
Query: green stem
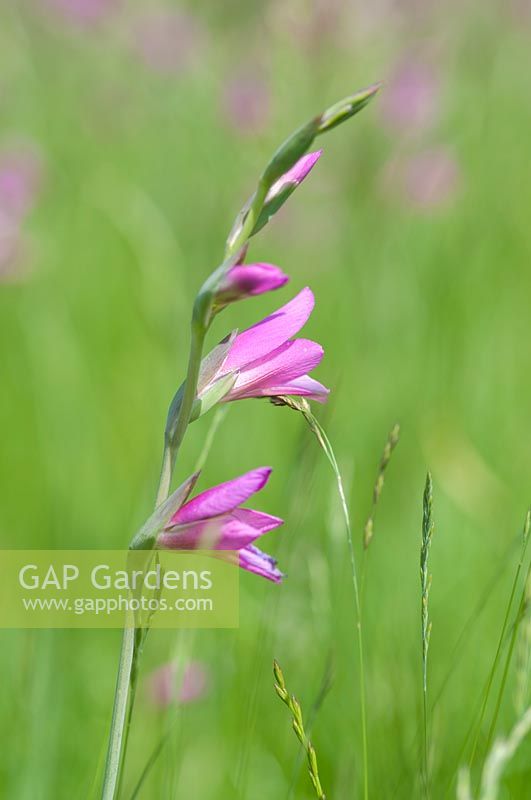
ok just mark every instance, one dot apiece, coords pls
pixel 493 668
pixel 174 441
pixel 519 614
pixel 119 715
pixel 250 219
pixel 133 683
pixel 425 739
pixel 498 653
pixel 165 476
pixel 363 710
pixel 131 642
pixel 327 447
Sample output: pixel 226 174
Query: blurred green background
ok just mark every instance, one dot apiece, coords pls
pixel 130 135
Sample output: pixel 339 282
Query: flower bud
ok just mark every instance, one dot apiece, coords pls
pixel 290 152
pixel 248 280
pixel 346 108
pixel 284 186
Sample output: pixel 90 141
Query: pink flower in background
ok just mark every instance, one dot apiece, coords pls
pixel 432 178
pixel 411 101
pixel 317 25
pixel 20 181
pixel 83 12
pixel 11 250
pixel 164 691
pixel 426 180
pixel 214 520
pixel 249 280
pixel 246 101
pixel 266 360
pixel 169 41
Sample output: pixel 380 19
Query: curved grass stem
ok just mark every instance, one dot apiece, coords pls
pixel 495 662
pixel 299 404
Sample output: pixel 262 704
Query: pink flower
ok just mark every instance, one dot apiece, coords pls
pixel 249 280
pixel 246 101
pixel 169 41
pixel 20 179
pixel 20 182
pixel 163 689
pixel 11 249
pixel 83 12
pixel 432 178
pixel 427 180
pixel 411 99
pixel 264 359
pixel 279 192
pixel 294 176
pixel 214 520
pixel 284 186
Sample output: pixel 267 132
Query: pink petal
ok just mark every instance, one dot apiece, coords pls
pixel 271 332
pixel 226 532
pixel 288 362
pixel 223 498
pixel 257 519
pixel 254 560
pixel 301 387
pixel 295 175
pixel 248 280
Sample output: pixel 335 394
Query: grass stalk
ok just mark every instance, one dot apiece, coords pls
pixel 425 580
pixel 495 662
pixel 508 659
pixel 298 726
pixel 301 405
pixel 368 531
pixel 499 756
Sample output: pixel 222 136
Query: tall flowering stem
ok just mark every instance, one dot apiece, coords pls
pixel 275 184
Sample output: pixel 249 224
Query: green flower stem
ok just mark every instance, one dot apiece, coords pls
pixel 119 715
pixel 173 443
pixel 132 640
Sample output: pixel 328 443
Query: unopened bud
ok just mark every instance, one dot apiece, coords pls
pixel 346 108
